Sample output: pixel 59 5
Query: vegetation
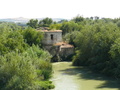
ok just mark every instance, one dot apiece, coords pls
pixel 45 22
pixel 23 64
pixel 32 37
pixel 55 26
pixel 34 23
pixel 97 43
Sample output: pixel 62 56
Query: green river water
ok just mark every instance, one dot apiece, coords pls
pixel 68 77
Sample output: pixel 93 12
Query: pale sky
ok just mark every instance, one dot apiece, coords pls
pixel 59 8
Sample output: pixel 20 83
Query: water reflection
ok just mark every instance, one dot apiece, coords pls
pixel 81 78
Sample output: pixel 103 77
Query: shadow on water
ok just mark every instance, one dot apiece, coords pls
pixel 86 74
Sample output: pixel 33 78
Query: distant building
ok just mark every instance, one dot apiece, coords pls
pixel 52 37
pixel 52 42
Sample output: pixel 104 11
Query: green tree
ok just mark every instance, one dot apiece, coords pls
pixel 32 36
pixel 115 58
pixel 63 20
pixel 68 27
pixel 11 39
pixel 23 67
pixel 118 23
pixel 25 71
pixel 93 45
pixel 78 19
pixel 45 22
pixel 33 23
pixel 55 26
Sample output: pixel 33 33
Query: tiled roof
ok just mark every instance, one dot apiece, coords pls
pixel 63 45
pixel 50 30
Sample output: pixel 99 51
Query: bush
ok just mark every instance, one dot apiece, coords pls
pixel 93 44
pixel 25 71
pixel 32 36
pixel 11 40
pixel 23 66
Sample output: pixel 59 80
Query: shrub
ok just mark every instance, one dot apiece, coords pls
pixel 25 71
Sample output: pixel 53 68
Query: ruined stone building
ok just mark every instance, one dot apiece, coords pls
pixel 52 42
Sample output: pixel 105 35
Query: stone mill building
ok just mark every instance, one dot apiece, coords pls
pixel 53 42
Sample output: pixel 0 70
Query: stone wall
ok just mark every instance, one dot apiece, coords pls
pixel 52 37
pixel 66 51
pixel 53 43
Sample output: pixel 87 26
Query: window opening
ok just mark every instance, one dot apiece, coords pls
pixel 51 36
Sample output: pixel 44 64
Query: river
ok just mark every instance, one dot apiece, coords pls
pixel 68 77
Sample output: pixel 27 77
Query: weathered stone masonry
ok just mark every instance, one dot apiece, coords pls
pixel 52 42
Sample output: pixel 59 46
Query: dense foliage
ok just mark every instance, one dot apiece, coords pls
pixel 34 23
pixel 32 37
pixel 46 22
pixel 23 64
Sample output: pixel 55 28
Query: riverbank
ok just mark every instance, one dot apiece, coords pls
pixel 68 77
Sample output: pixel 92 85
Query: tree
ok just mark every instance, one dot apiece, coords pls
pixel 55 26
pixel 78 19
pixel 10 38
pixel 118 23
pixel 45 22
pixel 97 47
pixel 96 17
pixel 68 27
pixel 63 20
pixel 33 23
pixel 23 67
pixel 32 36
pixel 29 70
pixel 91 18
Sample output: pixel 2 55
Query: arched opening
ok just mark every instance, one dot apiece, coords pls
pixel 51 36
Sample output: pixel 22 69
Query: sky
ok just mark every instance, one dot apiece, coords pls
pixel 66 9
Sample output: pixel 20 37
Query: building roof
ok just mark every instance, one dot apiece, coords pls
pixel 63 45
pixel 67 46
pixel 43 28
pixel 50 30
pixel 59 43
